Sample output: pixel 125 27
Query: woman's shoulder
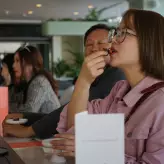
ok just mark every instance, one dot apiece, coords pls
pixel 119 90
pixel 40 80
pixel 121 85
pixel 157 99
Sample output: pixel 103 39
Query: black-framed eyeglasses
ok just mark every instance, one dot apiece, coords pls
pixel 119 34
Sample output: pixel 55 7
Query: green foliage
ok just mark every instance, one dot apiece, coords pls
pixel 66 19
pixel 93 15
pixel 62 68
pixel 75 68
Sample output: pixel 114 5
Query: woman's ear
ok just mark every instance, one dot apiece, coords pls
pixel 28 71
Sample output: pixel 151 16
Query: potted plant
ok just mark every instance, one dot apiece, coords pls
pixel 62 68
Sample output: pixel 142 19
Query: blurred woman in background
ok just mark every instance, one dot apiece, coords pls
pixel 40 94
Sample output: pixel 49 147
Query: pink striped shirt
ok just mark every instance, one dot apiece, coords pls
pixel 144 132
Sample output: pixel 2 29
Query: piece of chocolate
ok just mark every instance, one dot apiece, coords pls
pixel 15 119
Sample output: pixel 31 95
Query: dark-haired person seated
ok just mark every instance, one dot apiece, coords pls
pixel 96 39
pixel 137 49
pixel 40 95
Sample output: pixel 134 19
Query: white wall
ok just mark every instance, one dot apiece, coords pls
pixel 73 43
pixel 9 47
pixel 60 46
pixel 56 48
pixel 159 8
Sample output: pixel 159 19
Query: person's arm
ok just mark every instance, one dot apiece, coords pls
pixel 32 117
pixel 43 128
pixel 78 101
pixel 93 66
pixel 97 106
pixel 46 127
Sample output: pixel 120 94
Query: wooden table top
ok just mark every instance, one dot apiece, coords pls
pixel 12 156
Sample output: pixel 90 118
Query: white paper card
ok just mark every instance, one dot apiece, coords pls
pixel 99 139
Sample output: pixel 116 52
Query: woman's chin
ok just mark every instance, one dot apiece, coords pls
pixel 113 63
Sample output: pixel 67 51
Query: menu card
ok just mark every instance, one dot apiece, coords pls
pixel 99 138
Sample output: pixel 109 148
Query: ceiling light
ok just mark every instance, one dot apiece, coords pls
pixel 38 5
pixel 90 6
pixel 110 20
pixel 7 12
pixel 2 56
pixel 76 13
pixel 30 12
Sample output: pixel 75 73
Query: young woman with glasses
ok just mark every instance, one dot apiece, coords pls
pixel 138 49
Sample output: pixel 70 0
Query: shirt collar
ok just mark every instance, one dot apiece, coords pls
pixel 135 94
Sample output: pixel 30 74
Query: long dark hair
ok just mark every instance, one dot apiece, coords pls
pixel 31 55
pixel 9 60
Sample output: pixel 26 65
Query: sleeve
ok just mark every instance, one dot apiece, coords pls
pixel 98 106
pixel 50 120
pixel 61 127
pixel 33 117
pixel 35 97
pixel 154 153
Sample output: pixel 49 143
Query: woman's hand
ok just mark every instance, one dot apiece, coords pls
pixel 93 66
pixel 17 131
pixel 66 144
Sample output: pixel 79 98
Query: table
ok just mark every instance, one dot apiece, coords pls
pixel 12 156
pixel 33 154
